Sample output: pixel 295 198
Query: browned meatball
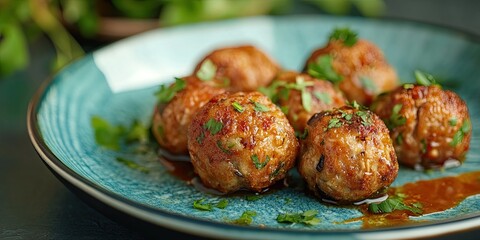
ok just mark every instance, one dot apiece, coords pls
pixel 347 155
pixel 243 68
pixel 241 141
pixel 300 96
pixel 428 125
pixel 361 69
pixel 174 113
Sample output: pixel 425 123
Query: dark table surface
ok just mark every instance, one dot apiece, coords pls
pixel 35 205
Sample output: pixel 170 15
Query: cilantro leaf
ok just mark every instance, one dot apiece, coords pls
pixel 322 68
pixel 139 132
pixel 323 96
pixel 253 198
pixel 200 205
pixel 346 35
pixel 396 119
pixel 222 204
pixel 307 217
pixel 166 94
pixel 393 203
pixel 133 165
pixel 213 126
pixel 334 123
pixel 246 218
pixel 452 122
pixel 207 70
pixel 257 163
pixel 460 134
pixel 306 100
pixel 107 135
pixel 260 107
pixel 221 147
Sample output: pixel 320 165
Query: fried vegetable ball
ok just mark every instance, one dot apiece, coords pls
pixel 175 109
pixel 300 96
pixel 359 68
pixel 428 125
pixel 241 141
pixel 347 155
pixel 243 68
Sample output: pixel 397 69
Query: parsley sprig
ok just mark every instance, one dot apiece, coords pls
pixel 346 35
pixel 165 94
pixel 307 217
pixel 322 68
pixel 396 119
pixel 394 203
pixel 213 126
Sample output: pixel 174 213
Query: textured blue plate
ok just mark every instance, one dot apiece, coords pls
pixel 118 82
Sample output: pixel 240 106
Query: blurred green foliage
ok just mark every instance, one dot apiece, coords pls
pixel 22 20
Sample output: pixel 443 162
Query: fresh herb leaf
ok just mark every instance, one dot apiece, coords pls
pixel 368 84
pixel 246 218
pixel 306 100
pixel 201 137
pixel 408 86
pixel 301 135
pixel 138 132
pixel 393 203
pixel 424 78
pixel 323 96
pixel 396 119
pixel 200 205
pixel 346 35
pixel 260 107
pixel 453 121
pixel 366 118
pixel 222 204
pixel 161 131
pixel 238 107
pixel 399 139
pixel 460 134
pixel 131 164
pixel 356 105
pixel 423 145
pixel 272 90
pixel 307 217
pixel 207 70
pixel 213 126
pixel 322 68
pixel 166 94
pixel 284 109
pixel 107 135
pixel 334 123
pixel 257 163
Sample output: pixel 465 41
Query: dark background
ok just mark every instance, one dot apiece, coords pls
pixel 35 205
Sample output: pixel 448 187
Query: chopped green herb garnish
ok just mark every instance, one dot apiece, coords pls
pixel 393 203
pixel 284 93
pixel 138 132
pixel 257 163
pixel 423 145
pixel 366 118
pixel 323 96
pixel 213 126
pixel 201 137
pixel 301 135
pixel 253 197
pixel 396 119
pixel 161 131
pixel 460 134
pixel 131 164
pixel 207 70
pixel 334 123
pixel 288 200
pixel 284 109
pixel 221 147
pixel 260 107
pixel 346 35
pixel 399 139
pixel 307 217
pixel 368 84
pixel 424 79
pixel 277 170
pixel 246 218
pixel 166 94
pixel 453 121
pixel 272 90
pixel 222 204
pixel 200 205
pixel 408 86
pixel 306 100
pixel 322 68
pixel 238 107
pixel 107 135
pixel 355 105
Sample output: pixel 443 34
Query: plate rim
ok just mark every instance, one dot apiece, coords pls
pixel 203 227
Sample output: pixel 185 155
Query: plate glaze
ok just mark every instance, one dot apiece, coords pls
pixel 118 83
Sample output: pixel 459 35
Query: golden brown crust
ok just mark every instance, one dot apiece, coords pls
pixel 170 121
pixel 365 71
pixel 243 68
pixel 432 118
pixel 292 103
pixel 349 160
pixel 225 160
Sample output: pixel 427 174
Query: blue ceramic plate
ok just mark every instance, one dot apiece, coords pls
pixel 118 82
